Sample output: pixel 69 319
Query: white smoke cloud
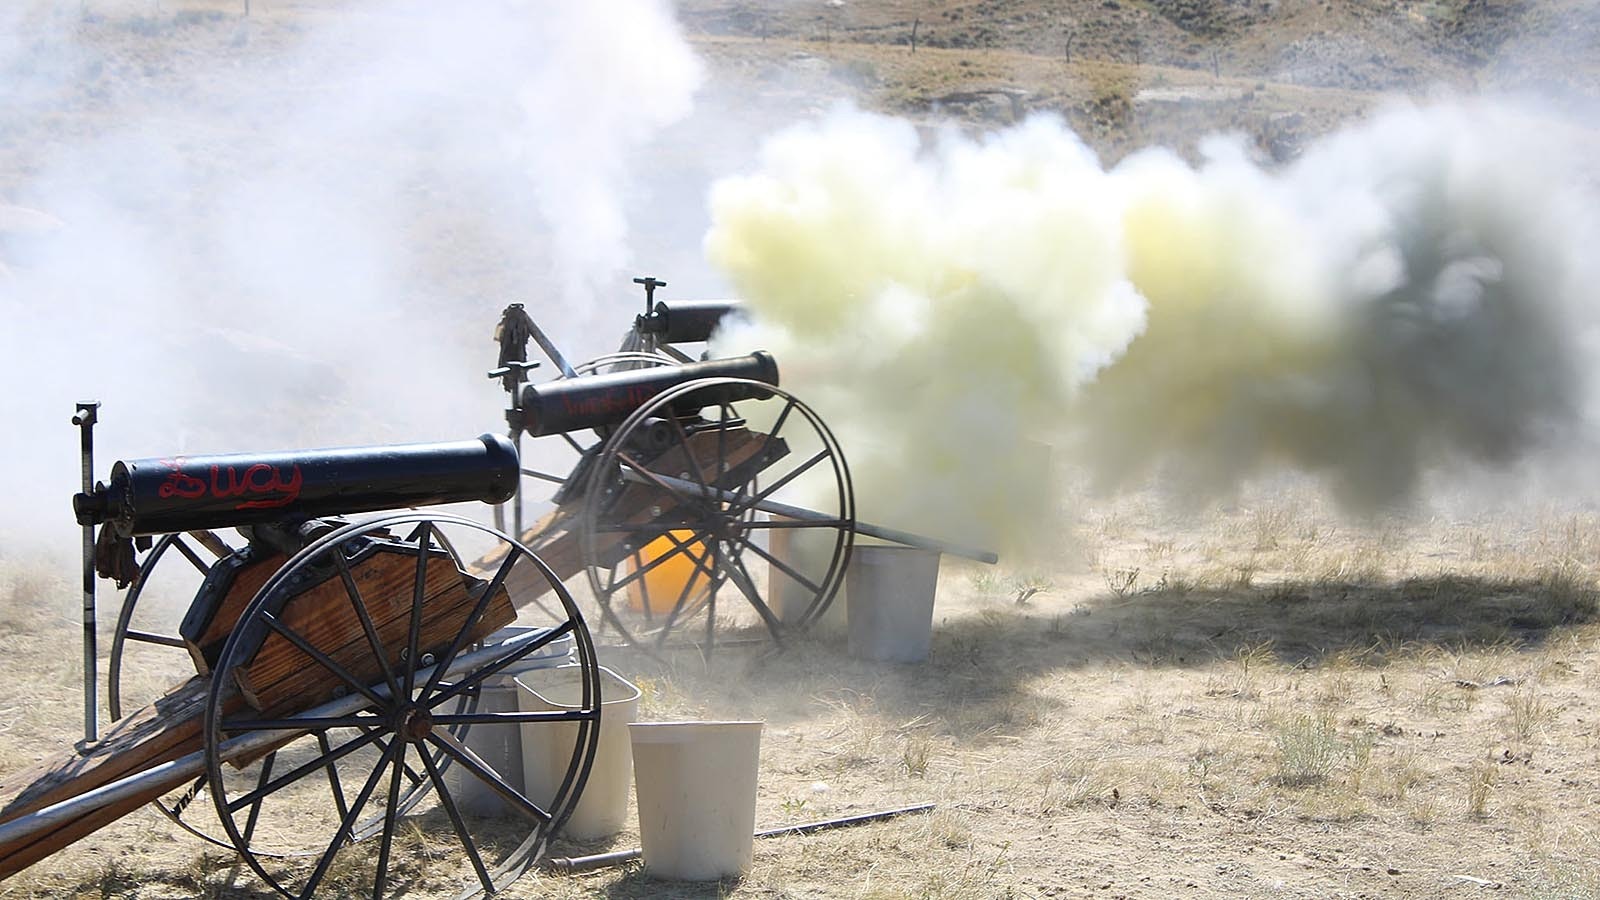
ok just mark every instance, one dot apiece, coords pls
pixel 299 230
pixel 1410 293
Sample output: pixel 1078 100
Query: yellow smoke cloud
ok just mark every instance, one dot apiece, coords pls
pixel 1403 294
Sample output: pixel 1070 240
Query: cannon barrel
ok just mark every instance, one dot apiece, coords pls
pixel 191 493
pixel 595 401
pixel 686 321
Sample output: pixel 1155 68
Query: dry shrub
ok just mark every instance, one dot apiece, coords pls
pixel 1309 748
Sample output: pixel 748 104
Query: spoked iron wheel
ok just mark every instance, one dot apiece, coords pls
pixel 739 515
pixel 344 691
pixel 148 657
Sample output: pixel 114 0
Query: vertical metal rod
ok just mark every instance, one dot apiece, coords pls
pixel 516 499
pixel 87 415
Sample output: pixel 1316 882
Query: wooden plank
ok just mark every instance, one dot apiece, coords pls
pixel 281 678
pixel 165 730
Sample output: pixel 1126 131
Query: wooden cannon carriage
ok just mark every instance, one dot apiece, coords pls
pixel 312 694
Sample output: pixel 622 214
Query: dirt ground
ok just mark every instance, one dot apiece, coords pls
pixel 1262 699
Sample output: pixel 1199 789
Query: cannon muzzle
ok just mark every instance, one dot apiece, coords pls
pixel 191 493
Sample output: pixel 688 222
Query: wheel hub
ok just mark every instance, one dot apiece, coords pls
pixel 414 725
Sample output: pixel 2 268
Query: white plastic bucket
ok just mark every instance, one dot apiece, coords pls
pixel 499 747
pixel 547 749
pixel 696 783
pixel 890 602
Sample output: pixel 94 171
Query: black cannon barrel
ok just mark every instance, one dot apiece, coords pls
pixel 189 493
pixel 686 321
pixel 594 401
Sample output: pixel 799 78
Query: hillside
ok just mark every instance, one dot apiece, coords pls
pixel 1131 72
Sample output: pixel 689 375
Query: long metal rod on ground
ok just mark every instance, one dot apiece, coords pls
pixel 569 864
pixel 169 775
pixel 811 515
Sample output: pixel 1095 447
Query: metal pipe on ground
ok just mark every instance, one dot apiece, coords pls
pixel 573 864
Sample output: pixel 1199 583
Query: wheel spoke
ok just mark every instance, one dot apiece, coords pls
pixel 679 547
pixel 789 476
pixel 672 617
pixel 522 650
pixel 465 633
pixel 464 757
pixel 513 718
pixel 694 461
pixel 413 635
pixel 303 770
pixel 353 592
pixel 711 599
pixel 740 576
pixel 603 593
pixel 214 545
pixel 688 583
pixel 384 745
pixel 782 566
pixel 702 563
pixel 449 804
pixel 255 808
pixel 145 637
pixel 651 528
pixel 190 555
pixel 332 769
pixel 391 813
pixel 322 659
pixel 772 435
pixel 724 413
pixel 346 824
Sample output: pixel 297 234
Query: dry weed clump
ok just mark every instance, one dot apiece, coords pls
pixel 1480 786
pixel 1071 783
pixel 1309 748
pixel 1526 713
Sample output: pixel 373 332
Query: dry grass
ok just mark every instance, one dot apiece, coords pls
pixel 1097 733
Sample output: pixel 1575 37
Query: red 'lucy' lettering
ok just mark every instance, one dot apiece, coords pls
pixel 257 479
pixel 268 485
